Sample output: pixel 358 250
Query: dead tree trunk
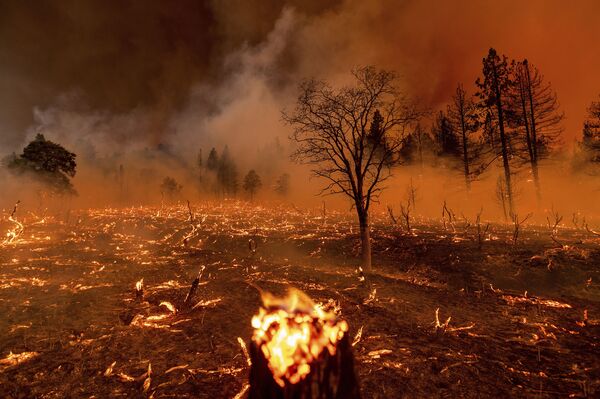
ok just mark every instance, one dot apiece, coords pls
pixel 465 156
pixel 365 239
pixel 534 150
pixel 331 377
pixel 503 141
pixel 528 135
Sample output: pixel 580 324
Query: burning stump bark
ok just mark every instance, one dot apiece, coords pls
pixel 299 351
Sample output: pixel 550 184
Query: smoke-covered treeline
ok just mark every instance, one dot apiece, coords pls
pixel 219 76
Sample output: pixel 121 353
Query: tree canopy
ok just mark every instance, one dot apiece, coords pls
pixel 49 163
pixel 350 136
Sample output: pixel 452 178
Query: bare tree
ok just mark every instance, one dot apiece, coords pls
pixel 517 226
pixel 351 136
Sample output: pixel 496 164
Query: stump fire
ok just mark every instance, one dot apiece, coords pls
pixel 299 350
pixel 422 208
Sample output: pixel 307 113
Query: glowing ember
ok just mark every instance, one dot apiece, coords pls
pixel 16 358
pixel 292 333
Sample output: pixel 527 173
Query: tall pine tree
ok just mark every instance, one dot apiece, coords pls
pixel 463 116
pixel 536 112
pixel 589 154
pixel 494 89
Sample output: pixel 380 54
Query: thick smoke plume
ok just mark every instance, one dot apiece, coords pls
pixel 162 82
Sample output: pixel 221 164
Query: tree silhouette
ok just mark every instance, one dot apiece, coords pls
pixel 212 163
pixel 170 187
pixel 252 183
pixel 282 184
pixel 446 137
pixel 199 162
pixel 494 89
pixel 227 175
pixel 200 165
pixel 333 135
pixel 463 115
pixel 49 163
pixel 536 111
pixel 589 156
pixel 416 147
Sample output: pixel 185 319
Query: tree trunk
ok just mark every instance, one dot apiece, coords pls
pixel 465 149
pixel 528 137
pixel 536 180
pixel 505 163
pixel 534 143
pixel 365 239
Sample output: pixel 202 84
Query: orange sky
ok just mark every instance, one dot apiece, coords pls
pixel 143 64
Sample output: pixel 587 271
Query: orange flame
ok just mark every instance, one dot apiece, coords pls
pixel 293 332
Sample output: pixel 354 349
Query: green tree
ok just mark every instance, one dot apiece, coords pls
pixel 49 163
pixel 252 183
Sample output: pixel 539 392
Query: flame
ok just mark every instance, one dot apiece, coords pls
pixel 293 332
pixel 169 306
pixel 14 233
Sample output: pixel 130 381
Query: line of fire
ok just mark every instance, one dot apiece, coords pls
pixel 335 199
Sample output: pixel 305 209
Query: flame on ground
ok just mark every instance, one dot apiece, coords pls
pixel 293 332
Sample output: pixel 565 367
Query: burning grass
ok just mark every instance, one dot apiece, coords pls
pixel 104 304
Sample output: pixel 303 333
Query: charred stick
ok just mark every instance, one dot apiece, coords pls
pixel 192 292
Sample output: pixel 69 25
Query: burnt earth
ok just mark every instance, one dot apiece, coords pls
pixel 72 326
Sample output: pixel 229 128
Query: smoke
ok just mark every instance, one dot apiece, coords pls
pixel 149 86
pixel 244 109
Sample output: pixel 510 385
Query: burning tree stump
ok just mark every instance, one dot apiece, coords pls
pixel 331 377
pixel 298 351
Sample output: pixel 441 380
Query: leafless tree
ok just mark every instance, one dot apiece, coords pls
pixel 391 215
pixel 553 225
pixel 351 136
pixel 481 232
pixel 517 226
pixel 411 193
pixel 448 217
pixel 405 211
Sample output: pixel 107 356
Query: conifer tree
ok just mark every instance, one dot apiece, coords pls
pixel 494 89
pixel 252 183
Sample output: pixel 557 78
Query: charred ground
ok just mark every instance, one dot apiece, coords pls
pixel 72 326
